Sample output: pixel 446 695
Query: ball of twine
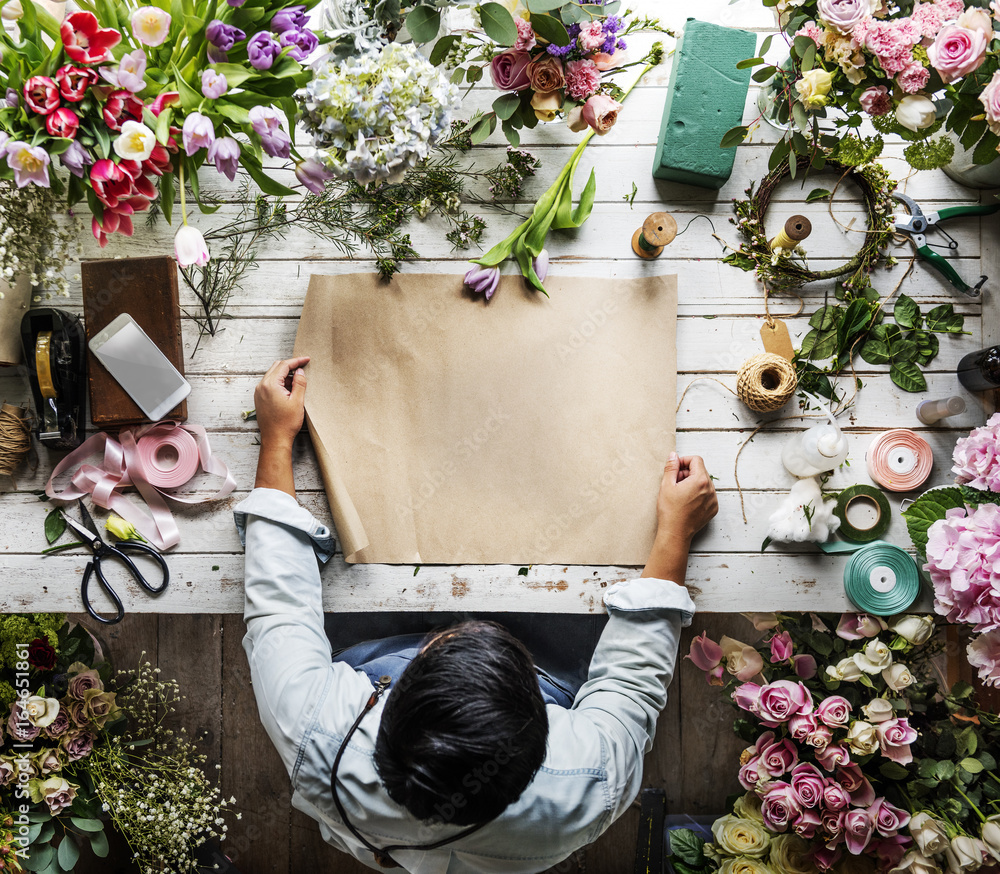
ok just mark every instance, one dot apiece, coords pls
pixel 766 382
pixel 15 438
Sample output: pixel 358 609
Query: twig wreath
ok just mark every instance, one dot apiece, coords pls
pixel 784 271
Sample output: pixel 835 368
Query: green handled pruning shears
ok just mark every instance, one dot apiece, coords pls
pixel 916 225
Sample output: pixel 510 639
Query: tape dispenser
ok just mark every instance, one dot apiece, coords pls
pixel 55 357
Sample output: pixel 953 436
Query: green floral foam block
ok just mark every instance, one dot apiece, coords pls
pixel 705 99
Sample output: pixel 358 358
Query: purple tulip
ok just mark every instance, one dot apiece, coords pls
pixel 291 18
pixel 198 133
pixel 313 175
pixel 13 98
pixel 266 123
pixel 75 159
pixel 236 3
pixel 483 280
pixel 262 50
pixel 302 43
pixel 225 152
pixel 213 84
pixel 223 36
pixel 541 265
pixel 216 55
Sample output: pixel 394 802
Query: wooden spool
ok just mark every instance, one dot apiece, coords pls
pixel 657 231
pixel 796 229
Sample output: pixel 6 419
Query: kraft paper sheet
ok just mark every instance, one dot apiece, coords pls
pixel 530 430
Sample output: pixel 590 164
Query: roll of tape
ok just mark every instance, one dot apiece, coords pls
pixel 43 364
pixel 863 494
pixel 169 458
pixel 881 579
pixel 899 460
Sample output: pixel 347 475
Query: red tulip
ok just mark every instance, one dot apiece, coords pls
pixel 74 81
pixel 167 98
pixel 120 106
pixel 63 123
pixel 41 94
pixel 85 41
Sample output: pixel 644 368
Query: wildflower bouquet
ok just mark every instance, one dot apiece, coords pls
pixel 957 529
pixel 825 704
pixel 908 68
pixel 129 97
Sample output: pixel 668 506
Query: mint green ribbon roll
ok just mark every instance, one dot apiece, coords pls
pixel 880 578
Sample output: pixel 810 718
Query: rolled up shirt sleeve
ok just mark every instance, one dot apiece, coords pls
pixel 286 644
pixel 626 687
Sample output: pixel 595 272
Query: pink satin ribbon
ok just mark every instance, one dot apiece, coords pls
pixel 153 458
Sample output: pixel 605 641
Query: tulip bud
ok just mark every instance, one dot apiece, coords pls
pixel 122 529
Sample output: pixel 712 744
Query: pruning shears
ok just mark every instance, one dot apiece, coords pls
pixel 916 225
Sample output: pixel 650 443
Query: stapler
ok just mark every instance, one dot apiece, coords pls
pixel 55 355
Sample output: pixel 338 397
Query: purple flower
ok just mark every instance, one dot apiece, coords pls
pixel 13 98
pixel 291 18
pixel 76 159
pixel 263 49
pixel 236 3
pixel 216 55
pixel 213 84
pixel 199 133
pixel 312 174
pixel 266 123
pixel 541 265
pixel 29 163
pixel 483 280
pixel 223 36
pixel 302 43
pixel 225 152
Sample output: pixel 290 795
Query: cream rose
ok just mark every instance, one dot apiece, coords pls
pixel 745 865
pixel 740 837
pixel 41 711
pixel 991 836
pixel 916 862
pixel 897 677
pixel 748 807
pixel 874 658
pixel 742 661
pixel 914 629
pixel 862 738
pixel 878 710
pixel 845 670
pixel 976 19
pixel 964 854
pixel 928 833
pixel 790 854
pixel 547 104
pixel 813 88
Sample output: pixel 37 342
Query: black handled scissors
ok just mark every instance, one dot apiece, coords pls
pixel 88 534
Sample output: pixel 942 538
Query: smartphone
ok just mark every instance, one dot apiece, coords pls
pixel 140 367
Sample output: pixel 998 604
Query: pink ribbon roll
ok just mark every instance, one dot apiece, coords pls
pixel 153 458
pixel 899 460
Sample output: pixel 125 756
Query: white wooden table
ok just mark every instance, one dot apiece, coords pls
pixel 720 315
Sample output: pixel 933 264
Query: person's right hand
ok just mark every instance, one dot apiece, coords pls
pixel 279 401
pixel 687 499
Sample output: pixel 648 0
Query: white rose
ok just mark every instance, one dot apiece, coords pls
pixel 976 19
pixel 790 854
pixel 814 87
pixel 928 833
pixel 991 836
pixel 748 807
pixel 915 862
pixel 741 837
pixel 861 738
pixel 897 677
pixel 874 658
pixel 41 711
pixel 915 112
pixel 914 629
pixel 878 710
pixel 741 661
pixel 963 855
pixel 845 670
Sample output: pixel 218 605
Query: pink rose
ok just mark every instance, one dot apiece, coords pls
pixel 888 819
pixel 819 738
pixel 582 79
pixel 82 682
pixel 876 100
pixel 591 36
pixel 833 823
pixel 834 711
pixel 509 70
pixel 781 700
pixel 855 784
pixel 804 666
pixel 77 744
pixel 984 651
pixel 858 827
pixel 601 113
pixel 843 15
pixel 894 738
pixel 826 857
pixel 800 727
pixel 750 773
pixel 957 51
pixel 890 851
pixel 778 758
pixel 835 796
pixel 805 823
pixel 781 647
pixel 603 61
pixel 18 726
pixel 855 626
pixel 546 74
pixel 747 696
pixel 779 807
pixel 525 36
pixel 808 783
pixel 58 727
pixel 832 756
pixel 704 653
pixel 913 77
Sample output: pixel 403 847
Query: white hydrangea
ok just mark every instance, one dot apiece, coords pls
pixel 348 21
pixel 377 115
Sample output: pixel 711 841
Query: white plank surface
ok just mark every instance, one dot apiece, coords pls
pixel 720 315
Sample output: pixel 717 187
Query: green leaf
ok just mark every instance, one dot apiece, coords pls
pixel 473 74
pixel 87 825
pixel 500 27
pixel 893 771
pixel 944 320
pixel 40 857
pixel 442 48
pixel 973 766
pixel 908 376
pixel 99 844
pixel 825 317
pixel 945 770
pixel 509 131
pixel 748 63
pixel 817 194
pixel 55 525
pixel 927 347
pixel 551 29
pixel 167 197
pixel 424 22
pixel 687 846
pixel 505 105
pixel 926 510
pixel 906 312
pixel 734 136
pixel 264 182
pixel 536 6
pixel 69 852
pixel 856 318
pixel 482 128
pixel 875 352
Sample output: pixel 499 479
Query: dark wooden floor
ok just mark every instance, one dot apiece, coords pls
pixel 693 758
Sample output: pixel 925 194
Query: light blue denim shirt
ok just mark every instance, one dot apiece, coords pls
pixel 593 765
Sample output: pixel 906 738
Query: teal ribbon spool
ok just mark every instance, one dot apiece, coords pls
pixel 880 578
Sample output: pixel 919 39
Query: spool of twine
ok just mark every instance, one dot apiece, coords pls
pixel 766 382
pixel 15 438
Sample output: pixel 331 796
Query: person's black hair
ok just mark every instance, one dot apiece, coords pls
pixel 463 731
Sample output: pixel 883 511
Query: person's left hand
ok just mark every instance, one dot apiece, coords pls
pixel 280 401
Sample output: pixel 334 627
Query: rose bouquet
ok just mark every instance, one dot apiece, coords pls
pixel 825 705
pixel 957 529
pixel 128 98
pixel 906 67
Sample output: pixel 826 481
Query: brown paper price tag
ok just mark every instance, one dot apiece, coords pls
pixel 776 339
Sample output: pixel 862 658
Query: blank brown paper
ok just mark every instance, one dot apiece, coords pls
pixel 529 430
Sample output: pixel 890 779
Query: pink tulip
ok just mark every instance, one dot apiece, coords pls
pixel 483 280
pixel 781 648
pixel 190 247
pixel 162 101
pixel 704 653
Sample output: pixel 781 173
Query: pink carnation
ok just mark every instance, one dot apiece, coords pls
pixel 963 554
pixel 889 38
pixel 525 36
pixel 928 18
pixel 591 36
pixel 812 30
pixel 876 100
pixel 977 461
pixel 913 78
pixel 950 9
pixel 582 79
pixel 896 62
pixel 984 653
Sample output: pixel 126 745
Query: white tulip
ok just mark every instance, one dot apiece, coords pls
pixel 190 247
pixel 915 112
pixel 136 141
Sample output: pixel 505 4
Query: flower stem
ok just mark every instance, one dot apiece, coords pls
pixel 979 813
pixel 180 173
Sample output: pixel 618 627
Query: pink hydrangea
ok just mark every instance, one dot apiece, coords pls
pixel 812 30
pixel 582 79
pixel 976 457
pixel 591 36
pixel 525 36
pixel 876 100
pixel 950 9
pixel 963 558
pixel 913 78
pixel 928 18
pixel 984 653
